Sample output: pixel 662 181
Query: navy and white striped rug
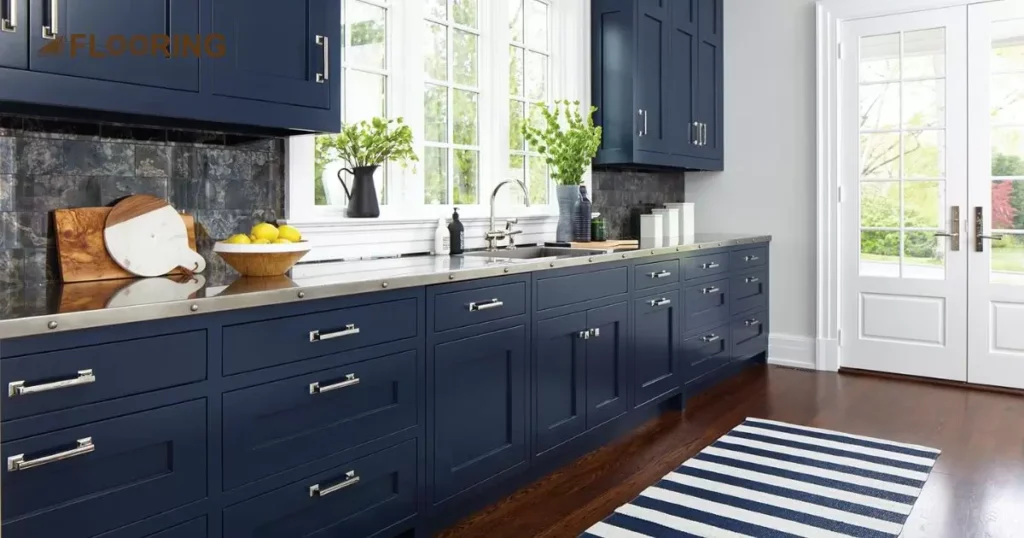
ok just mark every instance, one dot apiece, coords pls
pixel 772 479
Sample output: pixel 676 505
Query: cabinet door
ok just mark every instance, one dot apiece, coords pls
pixel 121 41
pixel 682 57
pixel 655 346
pixel 479 409
pixel 709 77
pixel 14 33
pixel 607 353
pixel 560 380
pixel 652 76
pixel 280 52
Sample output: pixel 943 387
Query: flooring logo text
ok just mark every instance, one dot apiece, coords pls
pixel 168 46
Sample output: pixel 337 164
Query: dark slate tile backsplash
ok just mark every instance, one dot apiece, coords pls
pixel 618 192
pixel 229 182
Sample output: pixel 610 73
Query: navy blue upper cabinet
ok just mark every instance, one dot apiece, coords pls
pixel 14 34
pixel 112 40
pixel 274 53
pixel 650 61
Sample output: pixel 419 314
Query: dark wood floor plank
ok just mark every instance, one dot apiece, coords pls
pixel 977 488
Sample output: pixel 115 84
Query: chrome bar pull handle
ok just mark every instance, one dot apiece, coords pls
pixel 646 132
pixel 712 265
pixel 695 129
pixel 704 135
pixel 51 30
pixel 709 291
pixel 595 333
pixel 325 45
pixel 585 335
pixel 750 258
pixel 351 479
pixel 19 463
pixel 350 380
pixel 752 280
pixel 640 113
pixel 479 307
pixel 663 274
pixel 752 322
pixel 317 336
pixel 711 338
pixel 18 388
pixel 10 22
pixel 660 302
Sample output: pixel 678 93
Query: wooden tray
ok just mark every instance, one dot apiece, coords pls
pixel 81 251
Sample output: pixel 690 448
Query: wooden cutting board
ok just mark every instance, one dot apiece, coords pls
pixel 146 237
pixel 81 251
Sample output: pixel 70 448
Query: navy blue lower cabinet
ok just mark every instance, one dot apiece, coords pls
pixel 478 417
pixel 560 376
pixel 192 529
pixel 355 500
pixel 656 348
pixel 706 351
pixel 81 481
pixel 750 334
pixel 606 364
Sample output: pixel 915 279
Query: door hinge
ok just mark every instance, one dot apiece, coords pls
pixel 840 338
pixel 840 194
pixel 839 49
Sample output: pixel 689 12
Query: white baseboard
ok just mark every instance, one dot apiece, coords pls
pixel 791 351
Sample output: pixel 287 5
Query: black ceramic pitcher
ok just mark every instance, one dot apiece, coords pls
pixel 362 199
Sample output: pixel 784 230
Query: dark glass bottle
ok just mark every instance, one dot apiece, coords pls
pixel 458 234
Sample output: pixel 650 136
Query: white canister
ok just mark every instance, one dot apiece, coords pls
pixel 651 230
pixel 671 224
pixel 686 226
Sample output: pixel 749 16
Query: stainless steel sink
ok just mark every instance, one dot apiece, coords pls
pixel 537 253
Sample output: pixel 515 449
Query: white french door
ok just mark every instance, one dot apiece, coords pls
pixel 933 176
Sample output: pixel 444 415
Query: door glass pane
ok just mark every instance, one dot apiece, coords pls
pixel 880 204
pixel 880 58
pixel 924 154
pixel 880 253
pixel 924 103
pixel 924 204
pixel 1006 255
pixel 923 255
pixel 1007 99
pixel 1008 205
pixel 1008 260
pixel 924 54
pixel 880 156
pixel 1008 46
pixel 880 106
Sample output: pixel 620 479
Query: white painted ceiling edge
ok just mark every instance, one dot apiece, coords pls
pixel 830 16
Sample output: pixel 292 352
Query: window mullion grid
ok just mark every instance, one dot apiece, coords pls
pixel 450 95
pixel 903 164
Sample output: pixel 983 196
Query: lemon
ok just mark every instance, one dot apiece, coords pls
pixel 261 242
pixel 239 239
pixel 290 233
pixel 266 231
pixel 282 241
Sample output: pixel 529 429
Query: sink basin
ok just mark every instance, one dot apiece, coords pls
pixel 536 253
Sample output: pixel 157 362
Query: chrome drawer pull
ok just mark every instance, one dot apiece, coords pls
pixel 479 307
pixel 326 75
pixel 709 291
pixel 750 258
pixel 712 265
pixel 596 333
pixel 350 380
pixel 50 31
pixel 18 463
pixel 349 330
pixel 18 388
pixel 661 302
pixel 752 322
pixel 350 480
pixel 663 274
pixel 10 24
pixel 753 280
pixel 711 338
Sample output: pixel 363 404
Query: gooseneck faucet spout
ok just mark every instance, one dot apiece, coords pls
pixel 493 235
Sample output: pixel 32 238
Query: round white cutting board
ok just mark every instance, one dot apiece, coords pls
pixel 146 237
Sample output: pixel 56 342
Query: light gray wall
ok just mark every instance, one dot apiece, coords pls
pixel 770 158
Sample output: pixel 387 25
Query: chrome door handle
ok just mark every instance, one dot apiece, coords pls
pixel 663 274
pixel 595 333
pixel 752 322
pixel 325 45
pixel 660 302
pixel 709 291
pixel 992 237
pixel 750 258
pixel 646 132
pixel 640 113
pixel 10 23
pixel 752 280
pixel 50 31
pixel 585 335
pixel 711 338
pixel 350 380
pixel 349 330
pixel 712 265
pixel 18 463
pixel 479 307
pixel 18 388
pixel 695 129
pixel 351 479
pixel 979 230
pixel 704 134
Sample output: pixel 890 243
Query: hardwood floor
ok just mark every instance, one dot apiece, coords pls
pixel 976 488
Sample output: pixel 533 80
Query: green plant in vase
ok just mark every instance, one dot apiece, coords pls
pixel 365 146
pixel 568 141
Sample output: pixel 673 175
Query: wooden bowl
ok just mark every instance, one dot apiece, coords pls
pixel 262 260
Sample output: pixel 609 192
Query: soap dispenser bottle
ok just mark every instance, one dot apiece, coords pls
pixel 457 232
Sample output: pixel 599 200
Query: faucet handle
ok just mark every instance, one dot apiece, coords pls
pixel 510 222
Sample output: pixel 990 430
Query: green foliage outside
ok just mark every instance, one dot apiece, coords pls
pixel 566 140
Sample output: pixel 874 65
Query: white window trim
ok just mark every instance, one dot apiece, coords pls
pixel 407 225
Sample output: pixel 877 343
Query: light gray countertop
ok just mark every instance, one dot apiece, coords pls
pixel 63 307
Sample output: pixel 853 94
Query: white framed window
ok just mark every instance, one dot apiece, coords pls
pixel 463 74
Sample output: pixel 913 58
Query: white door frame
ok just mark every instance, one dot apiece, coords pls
pixel 830 16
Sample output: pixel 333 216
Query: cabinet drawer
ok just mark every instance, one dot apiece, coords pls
pixel 749 290
pixel 281 425
pixel 703 266
pixel 71 377
pixel 355 500
pixel 262 344
pixel 706 351
pixel 750 334
pixel 552 292
pixel 750 257
pixel 470 307
pixel 706 305
pixel 653 275
pixel 139 465
pixel 193 529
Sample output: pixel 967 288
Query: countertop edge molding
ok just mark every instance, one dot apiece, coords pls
pixel 48 324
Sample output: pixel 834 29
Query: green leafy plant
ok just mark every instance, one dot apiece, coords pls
pixel 368 143
pixel 567 141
